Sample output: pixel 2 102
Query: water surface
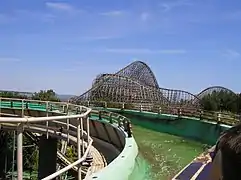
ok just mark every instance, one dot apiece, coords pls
pixel 162 155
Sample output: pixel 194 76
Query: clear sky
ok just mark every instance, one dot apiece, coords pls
pixel 63 45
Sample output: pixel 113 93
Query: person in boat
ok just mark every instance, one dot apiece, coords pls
pixel 226 160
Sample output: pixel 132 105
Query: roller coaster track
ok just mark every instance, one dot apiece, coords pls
pixel 135 83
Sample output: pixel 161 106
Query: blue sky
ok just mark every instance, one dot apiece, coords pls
pixel 63 45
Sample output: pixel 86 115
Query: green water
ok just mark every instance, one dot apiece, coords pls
pixel 162 155
pixel 141 170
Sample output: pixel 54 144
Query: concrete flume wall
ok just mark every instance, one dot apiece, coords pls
pixel 188 127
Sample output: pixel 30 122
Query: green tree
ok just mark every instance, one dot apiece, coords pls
pixel 238 101
pixel 222 101
pixel 45 95
pixel 8 94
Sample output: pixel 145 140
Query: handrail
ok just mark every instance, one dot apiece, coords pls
pixel 40 101
pixel 61 171
pixel 114 118
pixel 38 119
pixel 116 115
pixel 41 119
pixel 30 100
pixel 51 107
pixel 181 111
pixel 72 165
pixel 61 156
pixel 69 111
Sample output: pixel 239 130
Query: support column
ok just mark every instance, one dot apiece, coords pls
pixel 47 156
pixel 80 125
pixel 20 152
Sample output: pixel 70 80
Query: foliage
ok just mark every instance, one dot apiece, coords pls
pixel 222 101
pixel 7 94
pixel 114 105
pixel 129 106
pixel 71 153
pixel 45 95
pixel 30 154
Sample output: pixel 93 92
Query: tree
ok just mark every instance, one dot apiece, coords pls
pixel 222 101
pixel 8 94
pixel 238 101
pixel 45 95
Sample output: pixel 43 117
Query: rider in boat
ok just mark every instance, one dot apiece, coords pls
pixel 226 164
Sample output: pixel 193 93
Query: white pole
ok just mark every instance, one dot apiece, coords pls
pixel 79 148
pixel 88 129
pixel 14 143
pixel 82 134
pixel 20 152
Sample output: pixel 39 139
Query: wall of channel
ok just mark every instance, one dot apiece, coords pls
pixel 119 150
pixel 192 128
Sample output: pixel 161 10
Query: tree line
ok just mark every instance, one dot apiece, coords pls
pixel 43 95
pixel 222 101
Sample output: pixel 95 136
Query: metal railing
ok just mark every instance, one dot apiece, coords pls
pixel 68 112
pixel 122 122
pixel 181 111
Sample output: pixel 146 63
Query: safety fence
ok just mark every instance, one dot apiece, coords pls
pixel 218 117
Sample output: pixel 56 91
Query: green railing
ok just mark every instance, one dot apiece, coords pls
pixel 65 108
pixel 114 118
pixel 218 117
